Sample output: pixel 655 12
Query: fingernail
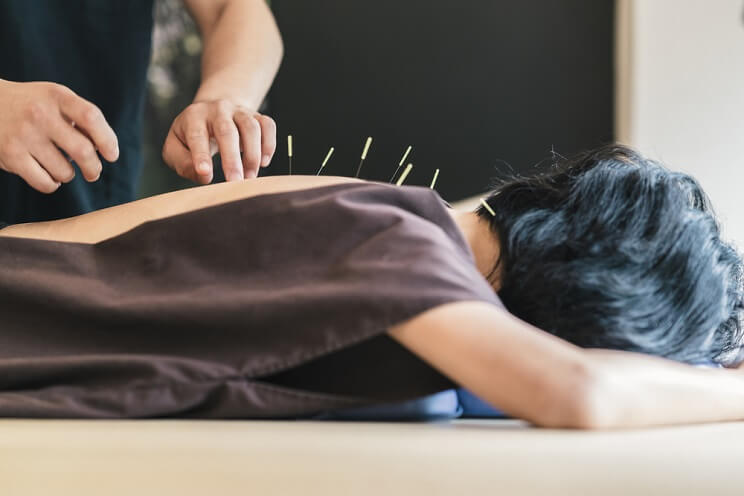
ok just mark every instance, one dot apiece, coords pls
pixel 202 168
pixel 265 160
pixel 116 151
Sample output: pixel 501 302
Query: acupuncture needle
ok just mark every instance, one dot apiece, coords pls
pixel 364 155
pixel 403 176
pixel 400 164
pixel 325 161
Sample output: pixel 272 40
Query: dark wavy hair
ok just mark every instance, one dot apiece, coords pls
pixel 611 250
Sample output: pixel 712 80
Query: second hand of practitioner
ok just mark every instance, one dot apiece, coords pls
pixel 206 127
pixel 46 126
pixel 235 79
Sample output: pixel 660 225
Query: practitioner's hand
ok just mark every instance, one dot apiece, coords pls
pixel 191 141
pixel 37 120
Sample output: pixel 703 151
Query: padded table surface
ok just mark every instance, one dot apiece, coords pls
pixel 41 457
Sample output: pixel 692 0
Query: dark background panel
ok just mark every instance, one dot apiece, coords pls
pixel 473 85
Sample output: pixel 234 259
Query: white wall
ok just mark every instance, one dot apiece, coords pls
pixel 681 93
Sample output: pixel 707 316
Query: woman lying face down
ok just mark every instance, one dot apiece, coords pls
pixel 602 261
pixel 610 250
pixel 613 253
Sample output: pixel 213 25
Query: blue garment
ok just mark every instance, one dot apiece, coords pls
pixel 101 50
pixel 474 407
pixel 450 404
pixel 439 406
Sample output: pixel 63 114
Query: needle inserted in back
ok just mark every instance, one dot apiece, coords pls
pixel 364 155
pixel 405 156
pixel 325 161
pixel 434 180
pixel 487 207
pixel 289 152
pixel 403 176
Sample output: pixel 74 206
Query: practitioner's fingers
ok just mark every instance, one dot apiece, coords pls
pixel 189 130
pixel 197 141
pixel 250 138
pixel 35 175
pixel 52 160
pixel 77 146
pixel 226 133
pixel 268 138
pixel 232 128
pixel 90 120
pixel 180 159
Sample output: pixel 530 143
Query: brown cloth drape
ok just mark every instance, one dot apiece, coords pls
pixel 271 306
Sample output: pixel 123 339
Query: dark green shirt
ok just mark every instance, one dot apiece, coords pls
pixel 100 49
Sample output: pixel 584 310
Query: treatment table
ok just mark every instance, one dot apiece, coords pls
pixel 460 457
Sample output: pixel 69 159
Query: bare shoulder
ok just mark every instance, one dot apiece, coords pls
pixel 438 335
pixel 463 320
pixel 507 362
pixel 469 328
pixel 103 224
pixel 447 318
pixel 460 335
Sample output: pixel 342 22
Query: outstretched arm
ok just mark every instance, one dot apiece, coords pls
pixel 536 376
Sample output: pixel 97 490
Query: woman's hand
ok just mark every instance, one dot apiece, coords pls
pixel 233 128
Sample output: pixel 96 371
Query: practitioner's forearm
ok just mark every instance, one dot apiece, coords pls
pixel 242 51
